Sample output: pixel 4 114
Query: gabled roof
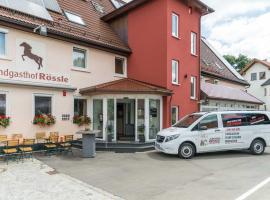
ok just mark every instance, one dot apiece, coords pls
pixel 222 92
pixel 136 3
pixel 126 86
pixel 96 32
pixel 266 83
pixel 213 64
pixel 254 61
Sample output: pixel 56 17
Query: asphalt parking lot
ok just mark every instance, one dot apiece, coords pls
pixel 152 175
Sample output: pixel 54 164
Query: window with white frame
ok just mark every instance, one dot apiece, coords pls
pixel 175 71
pixel 193 43
pixel 175 25
pixel 42 104
pixel 174 113
pixel 79 58
pixel 3 104
pixel 80 107
pixel 2 43
pixel 119 66
pixel 253 76
pixel 193 87
pixel 75 18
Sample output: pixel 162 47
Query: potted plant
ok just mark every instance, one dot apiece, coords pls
pixel 44 120
pixel 141 130
pixel 82 120
pixel 4 121
pixel 109 132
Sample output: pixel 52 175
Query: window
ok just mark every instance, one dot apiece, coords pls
pixel 262 75
pixel 43 105
pixel 154 118
pixel 253 77
pixel 193 87
pixel 175 25
pixel 119 65
pixel 239 119
pixel 187 121
pixel 2 44
pixel 79 58
pixel 174 114
pixel 3 104
pixel 117 3
pixel 98 116
pixel 74 18
pixel 193 43
pixel 210 122
pixel 80 107
pixel 234 119
pixel 257 119
pixel 175 66
pixel 98 7
pixel 110 117
pixel 265 91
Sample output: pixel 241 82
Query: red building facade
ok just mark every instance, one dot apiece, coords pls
pixel 149 27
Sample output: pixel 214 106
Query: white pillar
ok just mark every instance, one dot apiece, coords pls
pixel 136 120
pixel 90 111
pixel 104 118
pixel 146 114
pixel 115 112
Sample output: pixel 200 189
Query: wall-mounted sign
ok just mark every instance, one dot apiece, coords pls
pixel 31 65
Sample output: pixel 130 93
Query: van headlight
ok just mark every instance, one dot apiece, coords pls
pixel 172 137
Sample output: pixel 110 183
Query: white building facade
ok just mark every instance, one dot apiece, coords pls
pixel 257 74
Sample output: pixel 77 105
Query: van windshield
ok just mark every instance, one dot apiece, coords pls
pixel 187 121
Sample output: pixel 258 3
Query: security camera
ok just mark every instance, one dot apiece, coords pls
pixel 42 30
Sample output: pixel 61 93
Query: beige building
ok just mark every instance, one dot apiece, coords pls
pixel 53 62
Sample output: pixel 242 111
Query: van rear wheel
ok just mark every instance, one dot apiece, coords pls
pixel 257 147
pixel 186 151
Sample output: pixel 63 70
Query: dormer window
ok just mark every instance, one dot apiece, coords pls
pixel 98 7
pixel 117 4
pixel 74 18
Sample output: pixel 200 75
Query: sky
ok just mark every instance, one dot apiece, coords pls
pixel 239 26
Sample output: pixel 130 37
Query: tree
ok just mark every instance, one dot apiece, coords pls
pixel 237 62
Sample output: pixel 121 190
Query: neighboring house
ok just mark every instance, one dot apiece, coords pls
pixel 117 63
pixel 257 73
pixel 222 87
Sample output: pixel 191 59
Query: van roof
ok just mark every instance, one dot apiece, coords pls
pixel 233 111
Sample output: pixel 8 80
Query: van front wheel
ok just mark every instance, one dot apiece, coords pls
pixel 186 151
pixel 257 147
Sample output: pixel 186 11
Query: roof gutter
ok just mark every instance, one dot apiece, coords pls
pixel 136 3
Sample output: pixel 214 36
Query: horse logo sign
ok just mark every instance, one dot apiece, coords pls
pixel 27 52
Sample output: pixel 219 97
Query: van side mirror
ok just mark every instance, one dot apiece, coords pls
pixel 203 128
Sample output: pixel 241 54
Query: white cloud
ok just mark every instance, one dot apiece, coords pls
pixel 239 26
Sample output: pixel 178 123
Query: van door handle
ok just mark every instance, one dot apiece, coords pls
pixel 217 130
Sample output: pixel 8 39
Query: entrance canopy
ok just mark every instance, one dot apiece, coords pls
pixel 124 86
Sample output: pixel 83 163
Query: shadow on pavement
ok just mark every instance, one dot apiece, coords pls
pixel 212 155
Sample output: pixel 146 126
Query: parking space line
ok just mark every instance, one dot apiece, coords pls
pixel 254 189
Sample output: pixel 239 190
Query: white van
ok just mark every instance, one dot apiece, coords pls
pixel 216 131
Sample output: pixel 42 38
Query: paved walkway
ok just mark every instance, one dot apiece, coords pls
pixel 35 180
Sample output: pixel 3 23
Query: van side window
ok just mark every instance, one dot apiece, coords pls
pixel 234 119
pixel 258 119
pixel 210 122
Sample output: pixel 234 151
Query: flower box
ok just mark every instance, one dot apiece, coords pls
pixel 44 120
pixel 81 120
pixel 4 121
